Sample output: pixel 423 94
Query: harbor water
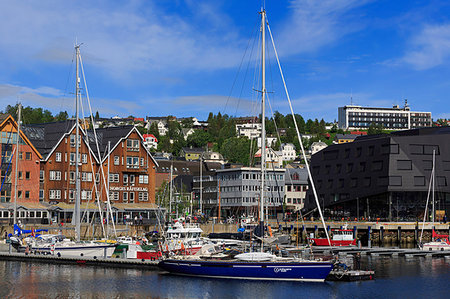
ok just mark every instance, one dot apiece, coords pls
pixel 395 278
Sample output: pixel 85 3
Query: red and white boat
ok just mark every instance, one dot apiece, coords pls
pixel 440 242
pixel 340 237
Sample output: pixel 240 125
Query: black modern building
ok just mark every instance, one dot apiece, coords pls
pixel 383 176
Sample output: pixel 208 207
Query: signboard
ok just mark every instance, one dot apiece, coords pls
pixel 126 188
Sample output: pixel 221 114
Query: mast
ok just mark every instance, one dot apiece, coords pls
pixel 17 163
pixel 170 193
pixel 201 185
pixel 263 121
pixel 433 211
pixel 77 151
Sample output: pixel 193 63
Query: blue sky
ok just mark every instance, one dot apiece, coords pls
pixel 182 57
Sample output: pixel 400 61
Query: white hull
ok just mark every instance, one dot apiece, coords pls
pixel 76 250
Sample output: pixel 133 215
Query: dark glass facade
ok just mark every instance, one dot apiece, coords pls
pixel 383 176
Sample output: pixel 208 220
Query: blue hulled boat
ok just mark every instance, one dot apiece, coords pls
pixel 266 270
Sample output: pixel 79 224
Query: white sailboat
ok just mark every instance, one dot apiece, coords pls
pixel 57 244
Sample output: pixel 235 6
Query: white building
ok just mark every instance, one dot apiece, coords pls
pixel 150 141
pixel 317 147
pixel 274 159
pixel 288 151
pixel 251 130
pixel 296 182
pixel 270 141
pixel 353 117
pixel 162 128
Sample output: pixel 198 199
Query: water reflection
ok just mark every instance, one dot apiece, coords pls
pixel 395 278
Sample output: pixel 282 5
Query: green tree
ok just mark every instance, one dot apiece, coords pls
pixel 62 116
pixel 237 150
pixel 97 116
pixel 198 139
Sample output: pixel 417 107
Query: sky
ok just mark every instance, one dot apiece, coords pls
pixel 191 57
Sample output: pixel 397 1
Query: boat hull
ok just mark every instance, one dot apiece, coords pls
pixel 77 251
pixel 295 271
pixel 324 242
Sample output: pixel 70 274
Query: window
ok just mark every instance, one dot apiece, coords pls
pixel 132 179
pixel 86 194
pixel 131 196
pixel 27 175
pixel 116 160
pixel 113 195
pixel 84 158
pixel 55 175
pixel 125 179
pixel 20 175
pixel 113 177
pixel 72 176
pixel 41 194
pixel 86 176
pixel 28 156
pixel 377 165
pixel 143 179
pixel 72 140
pixel 143 196
pixel 132 162
pixel 404 165
pixel 395 180
pixel 441 181
pixel 20 156
pixel 143 162
pixel 41 175
pixel 133 145
pixel 58 157
pixel 125 196
pixel 55 194
pixel 419 181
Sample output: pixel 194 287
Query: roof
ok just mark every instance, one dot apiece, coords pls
pixel 94 207
pixel 25 205
pixel 45 137
pixel 193 150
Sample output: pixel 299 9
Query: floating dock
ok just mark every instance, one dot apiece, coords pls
pixel 87 261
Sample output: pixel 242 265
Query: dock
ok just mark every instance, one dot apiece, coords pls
pixel 85 261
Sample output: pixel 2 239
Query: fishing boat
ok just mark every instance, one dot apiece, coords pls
pixel 253 265
pixel 340 237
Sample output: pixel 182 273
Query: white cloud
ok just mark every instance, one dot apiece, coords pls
pixel 429 48
pixel 313 24
pixel 120 38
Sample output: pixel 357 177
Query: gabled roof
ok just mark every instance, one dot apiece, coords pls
pixel 45 137
pixel 193 150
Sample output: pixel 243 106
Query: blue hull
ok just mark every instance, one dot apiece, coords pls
pixel 298 271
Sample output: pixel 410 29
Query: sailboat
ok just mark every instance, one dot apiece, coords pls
pixel 438 241
pixel 253 265
pixel 58 244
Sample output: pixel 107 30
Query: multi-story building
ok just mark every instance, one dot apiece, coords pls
pixel 240 190
pixel 250 130
pixel 288 151
pixel 352 117
pixel 150 141
pixel 120 151
pixel 296 187
pixel 27 168
pixel 274 159
pixel 383 176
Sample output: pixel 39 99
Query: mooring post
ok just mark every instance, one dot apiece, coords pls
pixel 399 236
pixel 381 234
pixel 416 234
pixel 369 237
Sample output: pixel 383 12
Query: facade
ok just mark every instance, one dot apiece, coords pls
pixel 131 167
pixel 192 153
pixel 344 138
pixel 249 130
pixel 383 176
pixel 150 141
pixel 27 169
pixel 288 151
pixel 240 190
pixel 274 159
pixel 357 117
pixel 296 187
pixel 317 147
